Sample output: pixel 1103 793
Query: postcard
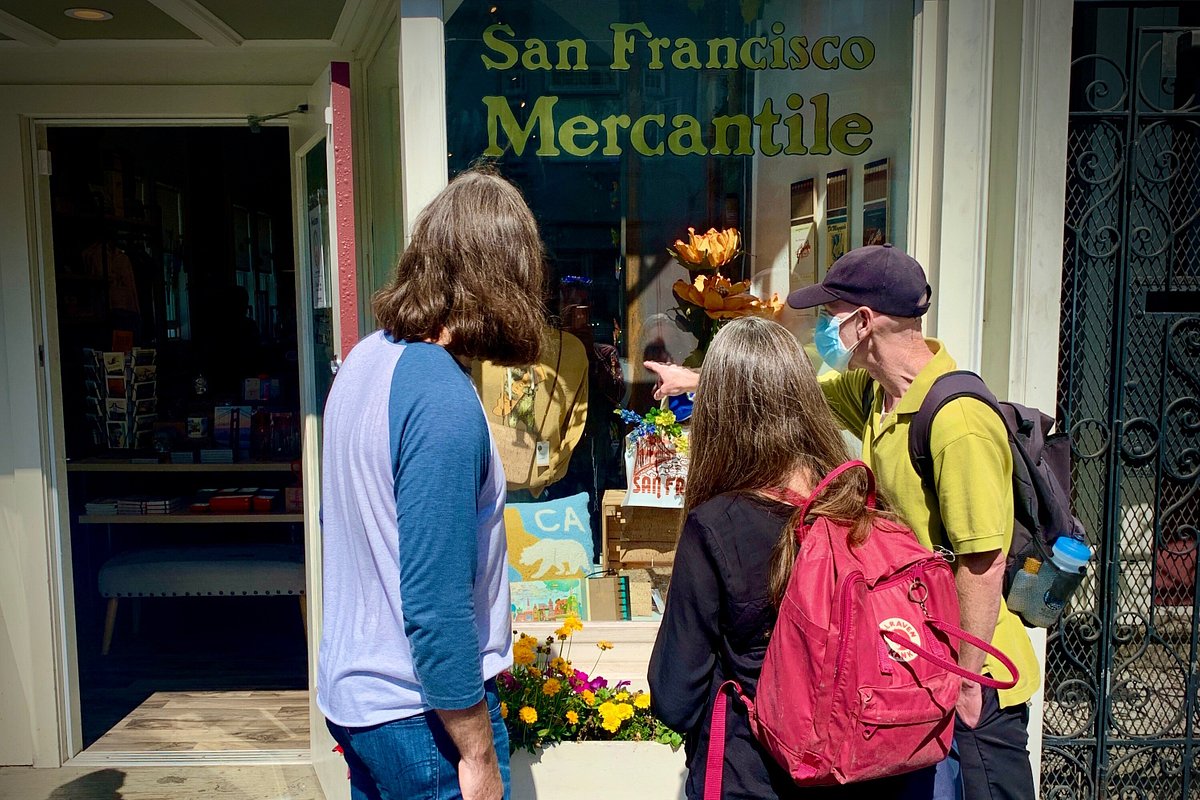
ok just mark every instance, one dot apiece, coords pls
pixel 548 601
pixel 118 435
pixel 114 364
pixel 143 391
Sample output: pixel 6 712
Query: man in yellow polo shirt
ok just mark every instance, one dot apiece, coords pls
pixel 869 330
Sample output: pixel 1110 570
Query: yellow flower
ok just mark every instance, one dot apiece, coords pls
pixel 642 700
pixel 588 696
pixel 558 664
pixel 666 417
pixel 562 633
pixel 523 656
pixel 573 623
pixel 535 672
pixel 769 309
pixel 572 718
pixel 526 641
pixel 717 296
pixel 610 716
pixel 551 687
pixel 528 715
pixel 604 645
pixel 613 714
pixel 503 710
pixel 707 251
pixel 621 697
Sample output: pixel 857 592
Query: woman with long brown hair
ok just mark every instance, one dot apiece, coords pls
pixel 417 619
pixel 762 437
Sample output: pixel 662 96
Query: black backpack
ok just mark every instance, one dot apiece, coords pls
pixel 1041 465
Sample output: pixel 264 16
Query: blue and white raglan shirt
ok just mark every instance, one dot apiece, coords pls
pixel 416 599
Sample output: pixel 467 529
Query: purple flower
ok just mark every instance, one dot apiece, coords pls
pixel 580 681
pixel 508 680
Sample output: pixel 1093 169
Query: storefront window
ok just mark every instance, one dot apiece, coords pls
pixel 626 123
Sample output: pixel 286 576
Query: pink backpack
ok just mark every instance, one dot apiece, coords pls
pixel 860 677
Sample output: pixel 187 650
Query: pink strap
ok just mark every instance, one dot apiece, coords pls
pixel 833 476
pixel 714 765
pixel 786 495
pixel 950 666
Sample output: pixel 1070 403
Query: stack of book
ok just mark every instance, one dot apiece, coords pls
pixel 130 505
pixel 149 505
pixel 216 456
pixel 163 505
pixel 104 507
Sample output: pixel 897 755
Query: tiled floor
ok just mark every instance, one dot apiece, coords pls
pixel 161 783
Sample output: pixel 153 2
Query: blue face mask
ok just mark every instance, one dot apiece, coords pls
pixel 828 339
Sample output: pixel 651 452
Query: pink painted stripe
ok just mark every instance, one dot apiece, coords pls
pixel 343 186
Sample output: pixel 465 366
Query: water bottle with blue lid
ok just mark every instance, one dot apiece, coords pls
pixel 1056 580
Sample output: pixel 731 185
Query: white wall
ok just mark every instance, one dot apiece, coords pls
pixel 30 670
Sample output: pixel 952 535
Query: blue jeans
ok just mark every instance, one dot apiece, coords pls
pixel 413 758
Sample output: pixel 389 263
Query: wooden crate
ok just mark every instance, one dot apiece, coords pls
pixel 637 537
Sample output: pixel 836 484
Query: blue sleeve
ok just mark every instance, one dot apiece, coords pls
pixel 441 449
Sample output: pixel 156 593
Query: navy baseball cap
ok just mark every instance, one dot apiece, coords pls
pixel 881 277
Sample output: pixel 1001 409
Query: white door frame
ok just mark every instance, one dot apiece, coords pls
pixel 66 679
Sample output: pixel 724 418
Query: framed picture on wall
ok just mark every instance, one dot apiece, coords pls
pixel 875 203
pixel 802 241
pixel 837 219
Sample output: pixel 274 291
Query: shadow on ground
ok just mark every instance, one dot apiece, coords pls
pixel 103 785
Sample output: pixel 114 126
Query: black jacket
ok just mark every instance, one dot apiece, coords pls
pixel 716 626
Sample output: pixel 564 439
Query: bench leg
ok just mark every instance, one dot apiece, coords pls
pixel 110 622
pixel 304 613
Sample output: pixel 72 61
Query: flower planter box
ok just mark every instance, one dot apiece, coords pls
pixel 592 770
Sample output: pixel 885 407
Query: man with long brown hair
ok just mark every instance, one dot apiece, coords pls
pixel 417 619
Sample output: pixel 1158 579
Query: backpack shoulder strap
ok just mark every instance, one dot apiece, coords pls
pixel 946 388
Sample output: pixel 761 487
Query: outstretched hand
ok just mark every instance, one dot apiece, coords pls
pixel 672 379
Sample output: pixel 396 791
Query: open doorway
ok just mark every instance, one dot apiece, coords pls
pixel 175 296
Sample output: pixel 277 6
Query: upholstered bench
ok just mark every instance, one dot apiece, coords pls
pixel 230 571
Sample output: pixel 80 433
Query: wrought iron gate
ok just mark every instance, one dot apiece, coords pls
pixel 1122 710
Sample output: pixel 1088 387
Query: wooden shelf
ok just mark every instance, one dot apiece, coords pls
pixel 106 465
pixel 186 518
